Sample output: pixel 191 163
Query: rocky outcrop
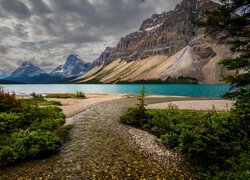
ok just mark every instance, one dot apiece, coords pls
pixel 102 58
pixel 165 33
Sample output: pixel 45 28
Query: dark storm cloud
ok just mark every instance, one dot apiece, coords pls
pixel 15 8
pixel 45 31
pixel 20 30
pixel 74 6
pixel 3 49
pixel 5 31
pixel 40 7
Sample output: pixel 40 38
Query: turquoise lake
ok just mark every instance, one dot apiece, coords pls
pixel 195 90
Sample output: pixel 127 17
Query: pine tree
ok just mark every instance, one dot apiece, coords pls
pixel 141 99
pixel 230 24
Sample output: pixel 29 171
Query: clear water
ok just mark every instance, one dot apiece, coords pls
pixel 195 90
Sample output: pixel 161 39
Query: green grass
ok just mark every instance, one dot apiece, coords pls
pixel 39 102
pixel 78 95
pixel 169 80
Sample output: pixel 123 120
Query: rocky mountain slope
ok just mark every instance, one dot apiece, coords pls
pixel 166 44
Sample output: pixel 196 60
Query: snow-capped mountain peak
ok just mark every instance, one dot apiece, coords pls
pixel 72 60
pixel 73 66
pixel 27 69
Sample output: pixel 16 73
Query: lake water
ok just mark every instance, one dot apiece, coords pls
pixel 195 90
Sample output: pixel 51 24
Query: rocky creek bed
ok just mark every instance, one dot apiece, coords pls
pixel 100 147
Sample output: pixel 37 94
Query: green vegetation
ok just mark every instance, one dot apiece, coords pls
pixel 215 143
pixel 29 128
pixel 2 81
pixel 79 95
pixel 169 80
pixel 37 96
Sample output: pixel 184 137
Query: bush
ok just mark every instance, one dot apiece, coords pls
pixel 80 95
pixel 30 131
pixel 37 96
pixel 28 144
pixel 8 101
pixel 137 116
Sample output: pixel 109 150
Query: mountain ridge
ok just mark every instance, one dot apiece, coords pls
pixel 154 50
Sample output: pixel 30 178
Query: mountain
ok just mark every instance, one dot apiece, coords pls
pixel 27 69
pixel 29 73
pixel 165 45
pixel 3 75
pixel 102 58
pixel 73 66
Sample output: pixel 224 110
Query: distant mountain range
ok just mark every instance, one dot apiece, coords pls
pixel 29 73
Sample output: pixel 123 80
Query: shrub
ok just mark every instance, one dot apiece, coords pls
pixel 8 121
pixel 8 101
pixel 37 96
pixel 137 116
pixel 80 95
pixel 30 131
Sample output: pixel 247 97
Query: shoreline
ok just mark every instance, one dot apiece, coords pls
pixel 74 106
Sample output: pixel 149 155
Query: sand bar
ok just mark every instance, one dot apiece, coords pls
pixel 221 105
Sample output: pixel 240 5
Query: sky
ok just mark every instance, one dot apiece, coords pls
pixel 45 32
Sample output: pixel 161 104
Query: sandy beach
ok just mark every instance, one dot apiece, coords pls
pixel 72 106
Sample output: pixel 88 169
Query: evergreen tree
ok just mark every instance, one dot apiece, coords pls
pixel 141 99
pixel 230 24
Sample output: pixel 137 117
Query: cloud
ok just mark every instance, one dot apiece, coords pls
pixel 45 32
pixel 3 49
pixel 15 8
